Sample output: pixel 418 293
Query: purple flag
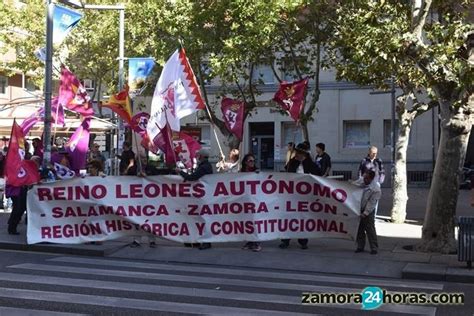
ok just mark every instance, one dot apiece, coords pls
pixel 57 113
pixel 78 145
pixel 30 121
pixel 73 95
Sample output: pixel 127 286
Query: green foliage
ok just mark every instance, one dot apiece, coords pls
pixel 22 30
pixel 375 40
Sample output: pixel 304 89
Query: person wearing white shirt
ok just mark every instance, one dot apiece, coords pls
pixel 370 198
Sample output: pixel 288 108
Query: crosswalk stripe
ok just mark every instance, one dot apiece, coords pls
pixel 243 272
pixel 120 302
pixel 407 309
pixel 12 311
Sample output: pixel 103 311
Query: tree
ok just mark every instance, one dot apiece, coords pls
pixel 231 38
pixel 86 50
pixel 305 33
pixel 445 56
pixel 369 50
pixel 92 50
pixel 22 30
pixel 427 54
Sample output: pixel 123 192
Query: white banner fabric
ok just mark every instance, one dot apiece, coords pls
pixel 217 208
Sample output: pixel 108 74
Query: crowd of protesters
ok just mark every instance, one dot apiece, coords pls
pixel 299 159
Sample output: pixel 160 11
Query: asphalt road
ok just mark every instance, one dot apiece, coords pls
pixel 40 284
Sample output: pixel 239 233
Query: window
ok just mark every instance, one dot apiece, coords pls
pixel 387 133
pixel 3 84
pixel 206 136
pixel 356 134
pixel 291 133
pixel 88 84
pixel 263 74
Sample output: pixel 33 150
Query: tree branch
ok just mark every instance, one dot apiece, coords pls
pixel 317 92
pixel 422 107
pixel 275 73
pixel 293 56
pixel 211 116
pixel 420 10
pixel 252 94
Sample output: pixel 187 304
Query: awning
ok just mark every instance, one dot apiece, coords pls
pixel 20 111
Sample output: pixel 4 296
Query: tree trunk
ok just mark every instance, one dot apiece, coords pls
pixel 400 194
pixel 438 227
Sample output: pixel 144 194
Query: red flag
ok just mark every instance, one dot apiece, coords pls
pixel 120 104
pixel 73 95
pixel 233 113
pixel 19 172
pixel 291 96
pixel 163 141
pixel 139 123
pixel 185 148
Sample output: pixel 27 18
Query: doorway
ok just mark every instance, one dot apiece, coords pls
pixel 262 143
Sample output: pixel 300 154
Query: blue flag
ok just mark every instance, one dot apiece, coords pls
pixel 64 20
pixel 138 71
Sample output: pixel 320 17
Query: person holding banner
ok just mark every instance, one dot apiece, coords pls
pixel 95 154
pixel 203 168
pixel 18 197
pixel 248 165
pixel 127 164
pixel 322 161
pixel 301 163
pixel 231 166
pixel 370 199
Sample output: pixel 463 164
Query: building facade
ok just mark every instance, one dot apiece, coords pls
pixel 349 119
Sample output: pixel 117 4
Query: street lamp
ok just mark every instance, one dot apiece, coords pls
pixel 48 74
pixel 49 65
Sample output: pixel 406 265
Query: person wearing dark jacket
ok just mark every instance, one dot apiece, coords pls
pixel 248 165
pixel 372 162
pixel 204 167
pixel 301 163
pixel 322 160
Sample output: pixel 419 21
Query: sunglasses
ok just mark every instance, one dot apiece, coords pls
pixel 251 160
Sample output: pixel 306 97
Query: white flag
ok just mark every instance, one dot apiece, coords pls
pixel 176 95
pixel 63 172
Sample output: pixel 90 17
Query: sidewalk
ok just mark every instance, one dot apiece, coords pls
pixel 323 256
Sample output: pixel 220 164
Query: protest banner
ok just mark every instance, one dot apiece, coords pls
pixel 217 208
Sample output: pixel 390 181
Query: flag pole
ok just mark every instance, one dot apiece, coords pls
pixel 140 167
pixel 56 122
pixel 170 138
pixel 214 129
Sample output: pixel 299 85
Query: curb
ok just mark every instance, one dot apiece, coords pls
pixel 437 272
pixel 65 249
